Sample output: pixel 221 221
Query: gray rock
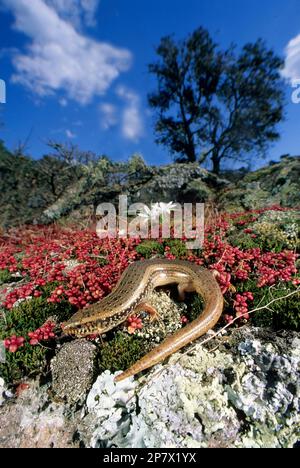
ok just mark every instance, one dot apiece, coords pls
pixel 241 390
pixel 73 370
pixel 34 421
pixel 245 392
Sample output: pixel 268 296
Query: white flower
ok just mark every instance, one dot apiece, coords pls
pixel 166 208
pixel 157 209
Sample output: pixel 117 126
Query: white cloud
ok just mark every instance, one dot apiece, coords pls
pixel 70 134
pixel 77 11
pixel 291 70
pixel 132 122
pixel 109 116
pixel 59 58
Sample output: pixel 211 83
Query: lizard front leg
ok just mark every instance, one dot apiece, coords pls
pixel 146 307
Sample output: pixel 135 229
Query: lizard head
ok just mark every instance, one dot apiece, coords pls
pixel 89 322
pixel 80 326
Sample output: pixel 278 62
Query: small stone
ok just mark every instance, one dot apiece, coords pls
pixel 73 370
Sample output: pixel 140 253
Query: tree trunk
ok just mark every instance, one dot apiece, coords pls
pixel 216 160
pixel 191 153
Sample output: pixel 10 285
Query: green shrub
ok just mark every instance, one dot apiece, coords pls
pixel 178 248
pixel 29 316
pixel 120 353
pixel 5 277
pixel 149 248
pixel 282 314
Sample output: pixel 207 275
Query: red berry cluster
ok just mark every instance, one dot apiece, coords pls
pixel 43 333
pixel 184 320
pixel 45 260
pixel 43 255
pixel 241 304
pixel 13 343
pixel 134 323
pixel 275 267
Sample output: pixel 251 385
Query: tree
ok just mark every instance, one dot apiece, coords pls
pixel 71 154
pixel 216 105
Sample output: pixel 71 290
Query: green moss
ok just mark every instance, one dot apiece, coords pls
pixel 5 277
pixel 195 306
pixel 28 361
pixel 177 247
pixel 120 353
pixel 149 248
pixel 29 316
pixel 282 314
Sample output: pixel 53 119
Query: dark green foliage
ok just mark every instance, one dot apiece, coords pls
pixel 177 247
pixel 149 248
pixel 28 361
pixel 121 352
pixel 282 314
pixel 243 241
pixel 207 98
pixel 29 316
pixel 195 305
pixel 5 277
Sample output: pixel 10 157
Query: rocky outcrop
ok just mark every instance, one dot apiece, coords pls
pixel 241 390
pixel 174 182
pixel 34 421
pixel 243 396
pixel 276 184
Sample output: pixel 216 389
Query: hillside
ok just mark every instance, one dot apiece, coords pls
pixel 46 190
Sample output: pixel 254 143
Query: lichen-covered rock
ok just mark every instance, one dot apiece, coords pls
pixel 109 414
pixel 73 370
pixel 33 421
pixel 180 182
pixel 244 394
pixel 239 390
pixel 279 228
pixel 276 184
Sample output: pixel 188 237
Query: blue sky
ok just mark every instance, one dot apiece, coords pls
pixel 76 70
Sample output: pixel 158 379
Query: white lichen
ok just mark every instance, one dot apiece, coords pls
pixel 110 404
pixel 249 398
pixel 2 391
